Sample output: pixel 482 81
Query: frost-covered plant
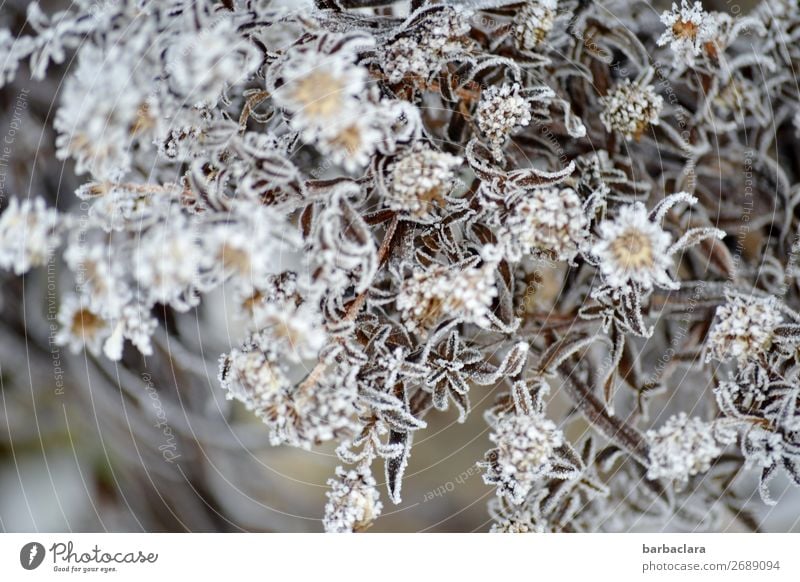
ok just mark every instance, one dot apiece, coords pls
pixel 398 208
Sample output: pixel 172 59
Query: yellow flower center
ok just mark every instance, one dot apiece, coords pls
pixel 683 29
pixel 633 250
pixel 85 324
pixel 320 93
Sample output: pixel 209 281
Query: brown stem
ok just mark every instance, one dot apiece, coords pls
pixel 595 412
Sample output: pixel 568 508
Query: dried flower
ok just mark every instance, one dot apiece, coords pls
pixel 549 221
pixel 501 110
pixel 428 295
pixel 743 328
pixel 630 108
pixel 690 30
pixel 633 249
pixel 81 326
pixel 419 178
pixel 533 22
pixel 319 89
pixel 526 444
pixel 28 234
pixel 352 502
pixel 682 448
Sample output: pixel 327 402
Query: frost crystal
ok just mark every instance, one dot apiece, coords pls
pixel 352 502
pixel 525 447
pixel 743 328
pixel 630 108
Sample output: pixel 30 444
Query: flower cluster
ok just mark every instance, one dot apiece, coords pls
pixel 681 448
pixel 524 453
pixel 352 502
pixel 533 22
pixel 500 111
pixel 549 221
pixel 743 328
pixel 630 108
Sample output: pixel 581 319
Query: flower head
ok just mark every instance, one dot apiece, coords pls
pixel 501 110
pixel 683 447
pixel 28 234
pixel 526 444
pixel 428 295
pixel 352 501
pixel 743 328
pixel 633 249
pixel 690 30
pixel 300 416
pixel 318 88
pixel 81 326
pixel 533 22
pixel 630 108
pixel 549 221
pixel 167 262
pixel 419 178
pixel 202 64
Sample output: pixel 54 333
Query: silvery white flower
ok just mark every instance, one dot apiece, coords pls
pixel 28 234
pixel 501 110
pixel 743 328
pixel 681 448
pixel 80 326
pixel 634 249
pixel 353 501
pixel 689 30
pixel 630 108
pixel 525 448
pixel 419 178
pixel 533 22
pixel 549 221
